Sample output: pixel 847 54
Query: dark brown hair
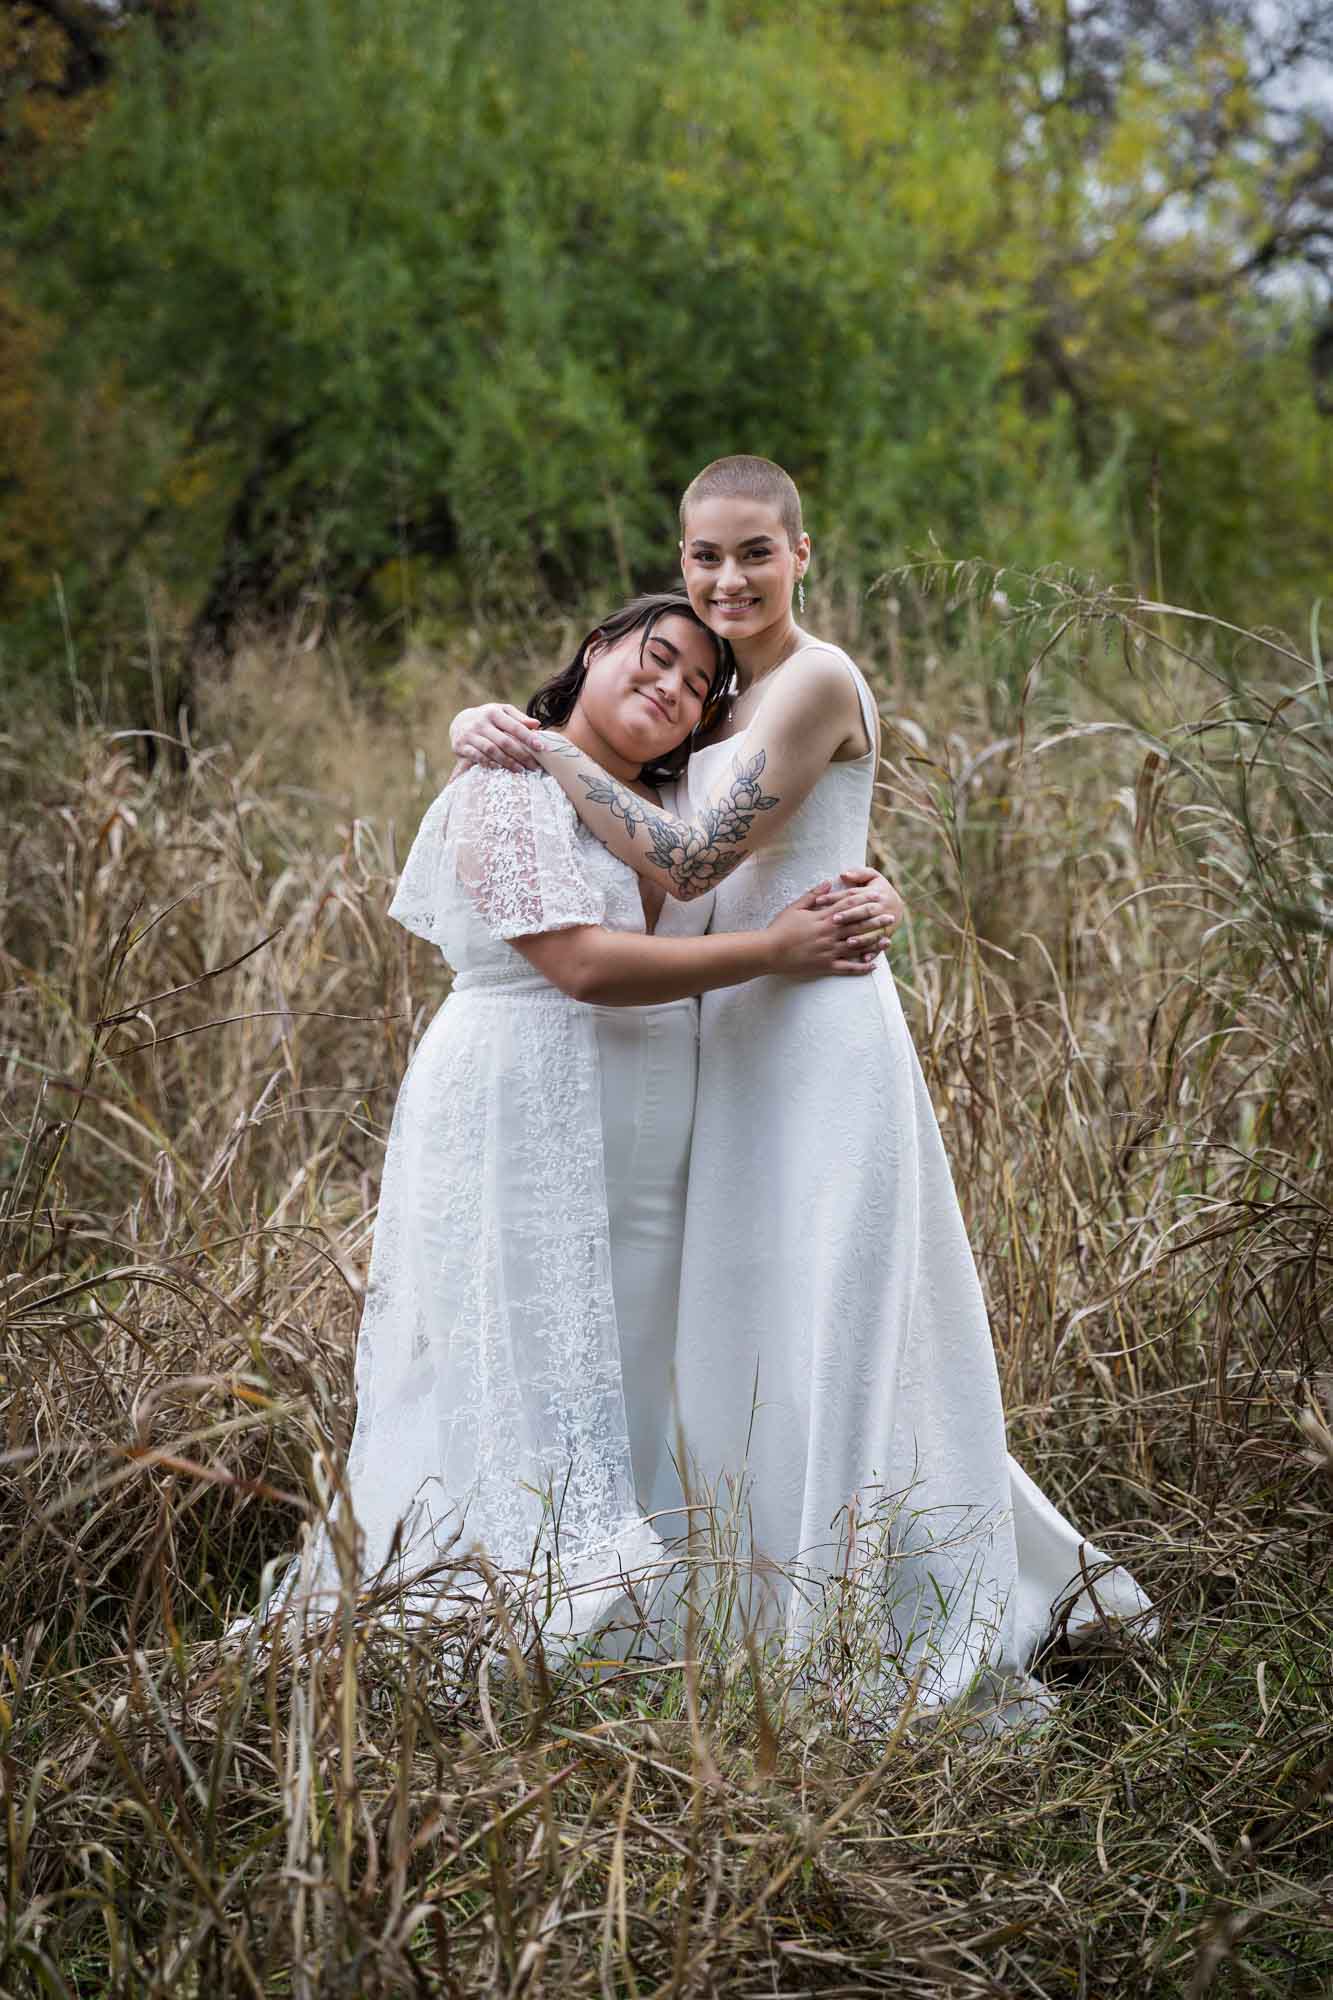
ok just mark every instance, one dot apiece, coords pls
pixel 555 700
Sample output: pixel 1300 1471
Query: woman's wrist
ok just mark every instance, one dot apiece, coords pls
pixel 766 952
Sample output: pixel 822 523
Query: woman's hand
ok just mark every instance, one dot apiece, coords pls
pixel 870 904
pixel 496 733
pixel 809 938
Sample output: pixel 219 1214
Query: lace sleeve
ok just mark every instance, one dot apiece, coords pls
pixel 504 840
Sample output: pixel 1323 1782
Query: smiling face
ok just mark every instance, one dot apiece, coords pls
pixel 643 693
pixel 739 567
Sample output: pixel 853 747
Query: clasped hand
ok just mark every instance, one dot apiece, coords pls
pixel 831 929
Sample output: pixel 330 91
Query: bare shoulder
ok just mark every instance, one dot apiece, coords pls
pixel 818 682
pixel 845 693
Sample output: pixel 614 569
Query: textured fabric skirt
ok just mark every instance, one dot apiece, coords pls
pixel 513 1363
pixel 836 1376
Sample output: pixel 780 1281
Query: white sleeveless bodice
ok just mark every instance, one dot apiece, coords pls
pixel 826 832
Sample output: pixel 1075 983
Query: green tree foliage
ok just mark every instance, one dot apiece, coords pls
pixel 433 277
pixel 56 71
pixel 345 283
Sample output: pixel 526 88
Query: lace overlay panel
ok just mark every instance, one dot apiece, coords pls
pixel 490 1403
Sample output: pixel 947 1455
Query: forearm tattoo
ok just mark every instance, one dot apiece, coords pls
pixel 695 854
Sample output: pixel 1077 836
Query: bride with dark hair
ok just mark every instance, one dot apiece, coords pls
pixel 514 1359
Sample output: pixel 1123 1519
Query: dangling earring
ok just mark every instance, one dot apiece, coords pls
pixel 800 594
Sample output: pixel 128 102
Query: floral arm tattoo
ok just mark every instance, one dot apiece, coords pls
pixel 696 853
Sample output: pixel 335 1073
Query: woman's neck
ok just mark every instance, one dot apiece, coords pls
pixel 761 655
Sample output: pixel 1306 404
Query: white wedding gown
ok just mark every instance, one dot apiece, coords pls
pixel 514 1357
pixel 828 1282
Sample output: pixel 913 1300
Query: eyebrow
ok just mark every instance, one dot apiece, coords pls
pixel 750 542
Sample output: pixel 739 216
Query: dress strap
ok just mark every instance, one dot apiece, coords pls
pixel 869 713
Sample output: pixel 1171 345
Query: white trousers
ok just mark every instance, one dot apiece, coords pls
pixel 649 1063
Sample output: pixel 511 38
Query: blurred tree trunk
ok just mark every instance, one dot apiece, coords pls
pixel 245 578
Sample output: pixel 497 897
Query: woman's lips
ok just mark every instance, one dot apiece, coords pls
pixel 655 704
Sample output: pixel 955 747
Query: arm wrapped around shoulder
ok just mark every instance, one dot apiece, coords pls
pixel 502 845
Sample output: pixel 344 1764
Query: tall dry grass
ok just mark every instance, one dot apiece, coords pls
pixel 1113 826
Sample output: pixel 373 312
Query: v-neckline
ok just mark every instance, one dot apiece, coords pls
pixel 834 763
pixel 772 673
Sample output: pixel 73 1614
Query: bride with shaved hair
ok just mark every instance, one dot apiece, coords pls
pixel 833 1357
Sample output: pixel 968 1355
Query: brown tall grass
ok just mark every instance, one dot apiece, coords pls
pixel 1113 826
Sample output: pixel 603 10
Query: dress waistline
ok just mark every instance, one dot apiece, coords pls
pixel 468 986
pixel 541 989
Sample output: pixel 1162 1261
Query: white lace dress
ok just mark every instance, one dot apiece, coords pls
pixel 833 1343
pixel 514 1356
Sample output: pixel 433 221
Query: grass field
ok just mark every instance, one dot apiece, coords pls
pixel 1114 828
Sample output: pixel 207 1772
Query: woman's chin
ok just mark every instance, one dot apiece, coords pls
pixel 645 746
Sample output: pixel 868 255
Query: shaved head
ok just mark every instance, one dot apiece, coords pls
pixel 744 478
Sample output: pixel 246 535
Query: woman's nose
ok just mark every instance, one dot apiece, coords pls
pixel 732 574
